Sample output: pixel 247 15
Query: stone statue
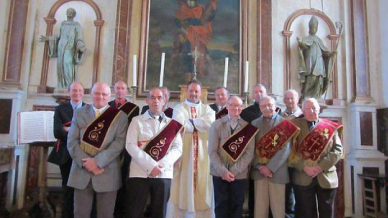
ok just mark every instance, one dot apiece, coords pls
pixel 68 47
pixel 315 63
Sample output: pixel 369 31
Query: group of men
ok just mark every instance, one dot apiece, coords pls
pixel 194 160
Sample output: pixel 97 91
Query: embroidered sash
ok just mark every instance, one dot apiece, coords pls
pixel 313 145
pixel 93 139
pixel 128 108
pixel 221 113
pixel 158 146
pixel 236 144
pixel 272 141
pixel 168 112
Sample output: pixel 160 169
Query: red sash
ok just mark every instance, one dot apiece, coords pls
pixel 128 108
pixel 221 113
pixel 272 141
pixel 236 144
pixel 313 145
pixel 158 146
pixel 93 139
pixel 168 112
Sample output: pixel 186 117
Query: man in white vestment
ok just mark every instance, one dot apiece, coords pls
pixel 192 185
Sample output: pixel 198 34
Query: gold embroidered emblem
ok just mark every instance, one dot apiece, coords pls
pixel 93 135
pixel 326 133
pixel 155 150
pixel 236 144
pixel 274 140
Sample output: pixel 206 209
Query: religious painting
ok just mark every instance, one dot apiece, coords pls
pixel 196 36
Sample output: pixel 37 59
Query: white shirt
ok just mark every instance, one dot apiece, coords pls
pixel 140 131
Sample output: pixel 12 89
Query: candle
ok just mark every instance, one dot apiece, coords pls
pixel 162 69
pixel 134 71
pixel 246 76
pixel 226 72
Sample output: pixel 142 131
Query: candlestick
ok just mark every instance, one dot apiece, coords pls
pixel 226 72
pixel 134 70
pixel 246 76
pixel 162 69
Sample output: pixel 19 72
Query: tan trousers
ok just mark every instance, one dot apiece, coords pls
pixel 268 194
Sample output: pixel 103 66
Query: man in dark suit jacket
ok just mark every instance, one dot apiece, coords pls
pixel 59 155
pixel 253 112
pixel 96 139
pixel 249 114
pixel 121 90
pixel 222 96
pixel 166 109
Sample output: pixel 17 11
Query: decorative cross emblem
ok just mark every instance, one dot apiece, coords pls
pixel 316 141
pixel 274 140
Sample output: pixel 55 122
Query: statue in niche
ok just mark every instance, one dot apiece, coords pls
pixel 68 47
pixel 315 63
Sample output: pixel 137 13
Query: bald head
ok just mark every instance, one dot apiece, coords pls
pixel 100 94
pixel 234 106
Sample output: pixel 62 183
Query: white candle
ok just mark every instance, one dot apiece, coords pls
pixel 134 70
pixel 226 71
pixel 162 69
pixel 246 76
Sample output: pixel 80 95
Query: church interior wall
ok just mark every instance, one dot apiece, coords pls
pixel 336 10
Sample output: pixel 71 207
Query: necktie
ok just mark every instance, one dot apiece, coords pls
pixel 97 113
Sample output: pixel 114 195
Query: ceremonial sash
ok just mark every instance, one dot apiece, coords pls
pixel 93 139
pixel 235 145
pixel 313 145
pixel 272 141
pixel 158 146
pixel 221 113
pixel 168 112
pixel 128 108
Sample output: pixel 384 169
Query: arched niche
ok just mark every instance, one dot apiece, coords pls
pixel 287 33
pixel 51 21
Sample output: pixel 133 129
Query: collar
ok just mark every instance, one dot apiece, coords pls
pixel 101 109
pixel 74 105
pixel 148 115
pixel 122 102
pixel 270 118
pixel 191 104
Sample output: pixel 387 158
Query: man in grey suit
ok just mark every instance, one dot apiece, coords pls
pixel 95 141
pixel 230 172
pixel 269 166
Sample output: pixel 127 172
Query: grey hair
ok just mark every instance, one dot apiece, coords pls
pixel 168 91
pixel 221 87
pixel 312 100
pixel 100 83
pixel 271 99
pixel 75 82
pixel 156 88
pixel 235 96
pixel 293 91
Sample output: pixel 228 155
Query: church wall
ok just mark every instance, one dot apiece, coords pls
pixel 4 14
pixel 85 16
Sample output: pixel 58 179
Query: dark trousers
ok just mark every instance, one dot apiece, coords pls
pixel 121 202
pixel 159 190
pixel 290 198
pixel 68 192
pixel 306 201
pixel 229 197
pixel 251 197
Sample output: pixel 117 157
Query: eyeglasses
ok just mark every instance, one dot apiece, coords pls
pixel 235 106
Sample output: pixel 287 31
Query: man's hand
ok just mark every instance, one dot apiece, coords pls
pixel 265 171
pixel 228 176
pixel 89 164
pixel 98 171
pixel 66 128
pixel 157 170
pixel 312 171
